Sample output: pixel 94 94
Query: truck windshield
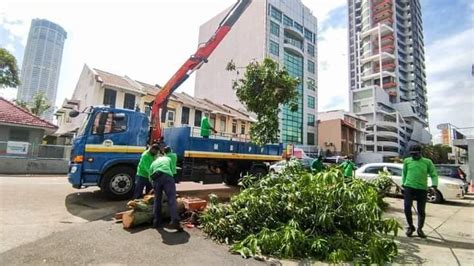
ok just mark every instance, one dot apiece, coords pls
pixel 81 130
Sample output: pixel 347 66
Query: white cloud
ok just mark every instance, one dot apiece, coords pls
pixel 332 72
pixel 322 8
pixel 449 80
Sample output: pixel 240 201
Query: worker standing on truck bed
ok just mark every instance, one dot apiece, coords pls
pixel 162 176
pixel 142 178
pixel 415 187
pixel 206 127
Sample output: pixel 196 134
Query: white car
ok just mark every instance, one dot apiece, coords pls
pixel 449 188
pixel 279 166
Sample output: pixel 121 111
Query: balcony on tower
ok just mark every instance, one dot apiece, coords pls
pixel 382 14
pixel 389 48
pixel 387 66
pixel 382 5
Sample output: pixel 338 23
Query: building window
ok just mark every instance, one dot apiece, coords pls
pixel 311 102
pixel 242 128
pixel 311 84
pixel 287 21
pixel 234 126
pixel 185 116
pixel 274 48
pixel 298 27
pixel 311 138
pixel 311 120
pixel 197 118
pixel 311 66
pixel 129 101
pixel 275 28
pixel 276 14
pixel 109 97
pixel 310 49
pixel 19 135
pixel 308 35
pixel 223 122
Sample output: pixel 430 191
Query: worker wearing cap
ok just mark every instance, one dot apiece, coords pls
pixel 415 184
pixel 162 176
pixel 142 178
pixel 206 127
pixel 348 167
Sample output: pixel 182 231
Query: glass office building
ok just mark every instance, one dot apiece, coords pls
pixel 283 30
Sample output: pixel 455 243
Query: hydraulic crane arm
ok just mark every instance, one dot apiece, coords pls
pixel 194 62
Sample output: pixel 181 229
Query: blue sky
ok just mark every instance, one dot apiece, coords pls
pixel 148 42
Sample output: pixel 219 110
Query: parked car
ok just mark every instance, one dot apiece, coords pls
pixel 279 166
pixel 454 171
pixel 448 188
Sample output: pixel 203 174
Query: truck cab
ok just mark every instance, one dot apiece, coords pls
pixel 107 149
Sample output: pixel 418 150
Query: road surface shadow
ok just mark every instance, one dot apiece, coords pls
pixel 407 253
pixel 93 205
pixel 172 237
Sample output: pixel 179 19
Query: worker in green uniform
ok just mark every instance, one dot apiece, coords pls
pixel 174 159
pixel 317 164
pixel 415 187
pixel 142 178
pixel 206 127
pixel 348 167
pixel 162 176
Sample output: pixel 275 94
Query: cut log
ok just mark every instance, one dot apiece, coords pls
pixel 142 212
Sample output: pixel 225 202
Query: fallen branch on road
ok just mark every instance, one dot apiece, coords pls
pixel 298 214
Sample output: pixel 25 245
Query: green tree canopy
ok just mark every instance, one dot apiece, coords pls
pixel 39 104
pixel 8 70
pixel 263 89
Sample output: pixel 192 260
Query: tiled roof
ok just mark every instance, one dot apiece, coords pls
pixel 12 114
pixel 118 81
pixel 148 88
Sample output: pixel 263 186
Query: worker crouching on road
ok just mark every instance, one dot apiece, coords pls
pixel 414 181
pixel 317 164
pixel 162 176
pixel 142 178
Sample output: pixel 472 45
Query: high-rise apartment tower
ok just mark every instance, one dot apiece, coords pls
pixel 42 62
pixel 387 80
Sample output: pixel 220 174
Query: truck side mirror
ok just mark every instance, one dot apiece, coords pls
pixel 73 113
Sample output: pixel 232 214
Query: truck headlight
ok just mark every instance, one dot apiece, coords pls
pixel 73 169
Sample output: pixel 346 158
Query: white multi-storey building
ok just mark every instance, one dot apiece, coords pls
pixel 284 30
pixel 42 62
pixel 387 80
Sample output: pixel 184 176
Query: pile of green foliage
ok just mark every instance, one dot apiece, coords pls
pixel 297 214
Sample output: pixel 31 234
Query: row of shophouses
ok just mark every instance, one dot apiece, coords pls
pixel 339 132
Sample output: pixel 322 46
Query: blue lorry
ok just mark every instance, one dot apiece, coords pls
pixel 108 146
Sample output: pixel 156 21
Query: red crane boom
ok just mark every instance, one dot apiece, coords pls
pixel 194 62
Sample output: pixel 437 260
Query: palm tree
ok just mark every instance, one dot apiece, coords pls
pixel 39 104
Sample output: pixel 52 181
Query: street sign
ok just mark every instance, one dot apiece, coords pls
pixel 17 147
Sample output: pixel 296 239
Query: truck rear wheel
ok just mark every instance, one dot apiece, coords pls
pixel 118 183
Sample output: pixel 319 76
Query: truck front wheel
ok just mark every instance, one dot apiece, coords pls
pixel 118 183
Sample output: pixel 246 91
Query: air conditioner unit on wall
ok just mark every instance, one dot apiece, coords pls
pixel 170 123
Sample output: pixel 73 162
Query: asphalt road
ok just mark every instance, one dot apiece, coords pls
pixel 44 220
